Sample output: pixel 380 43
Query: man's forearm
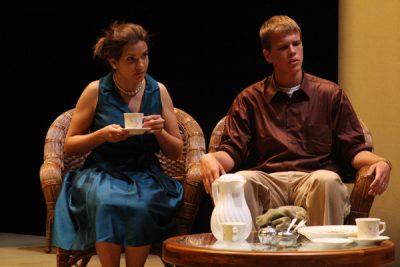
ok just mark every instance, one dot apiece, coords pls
pixel 364 158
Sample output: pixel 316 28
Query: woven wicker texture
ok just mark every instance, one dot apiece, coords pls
pixel 186 169
pixel 361 202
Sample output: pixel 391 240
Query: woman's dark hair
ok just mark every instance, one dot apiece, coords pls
pixel 119 34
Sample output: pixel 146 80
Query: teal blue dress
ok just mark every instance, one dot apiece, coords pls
pixel 120 195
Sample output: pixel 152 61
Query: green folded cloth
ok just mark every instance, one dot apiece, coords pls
pixel 281 217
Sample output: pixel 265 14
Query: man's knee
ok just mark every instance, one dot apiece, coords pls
pixel 246 174
pixel 327 178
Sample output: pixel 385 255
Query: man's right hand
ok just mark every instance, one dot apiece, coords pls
pixel 211 170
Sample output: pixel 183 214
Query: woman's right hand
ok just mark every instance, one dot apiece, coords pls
pixel 114 133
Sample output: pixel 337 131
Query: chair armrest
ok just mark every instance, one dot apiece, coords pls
pixel 361 201
pixel 193 192
pixel 192 185
pixel 193 189
pixel 51 171
pixel 51 180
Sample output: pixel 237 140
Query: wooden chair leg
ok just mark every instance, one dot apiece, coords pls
pixel 81 258
pixel 49 225
pixel 83 262
pixel 68 258
pixel 63 257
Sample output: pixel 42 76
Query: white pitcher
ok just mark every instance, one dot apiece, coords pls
pixel 229 204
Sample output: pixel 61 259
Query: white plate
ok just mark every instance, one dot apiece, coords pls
pixel 136 131
pixel 331 231
pixel 332 243
pixel 369 242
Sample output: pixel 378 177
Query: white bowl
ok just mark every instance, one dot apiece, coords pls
pixel 328 231
pixel 332 243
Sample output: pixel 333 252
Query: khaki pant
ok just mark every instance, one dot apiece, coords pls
pixel 321 193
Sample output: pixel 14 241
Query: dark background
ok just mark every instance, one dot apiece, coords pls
pixel 205 54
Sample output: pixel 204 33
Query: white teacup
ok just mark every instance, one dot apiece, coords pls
pixel 370 228
pixel 233 232
pixel 133 120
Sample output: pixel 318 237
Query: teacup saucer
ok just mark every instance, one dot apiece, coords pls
pixel 368 241
pixel 136 131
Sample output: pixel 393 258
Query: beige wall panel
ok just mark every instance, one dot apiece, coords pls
pixel 369 72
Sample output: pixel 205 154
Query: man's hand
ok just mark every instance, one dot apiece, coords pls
pixel 381 170
pixel 211 170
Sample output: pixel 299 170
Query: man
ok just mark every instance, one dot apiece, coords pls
pixel 288 132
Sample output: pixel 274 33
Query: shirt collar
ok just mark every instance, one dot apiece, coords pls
pixel 272 91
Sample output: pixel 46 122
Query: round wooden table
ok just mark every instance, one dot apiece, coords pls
pixel 202 250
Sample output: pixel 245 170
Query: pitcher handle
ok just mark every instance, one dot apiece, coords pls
pixel 214 190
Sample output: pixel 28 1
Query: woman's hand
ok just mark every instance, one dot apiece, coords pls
pixel 114 133
pixel 154 122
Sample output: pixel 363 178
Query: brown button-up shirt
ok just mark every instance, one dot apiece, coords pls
pixel 317 128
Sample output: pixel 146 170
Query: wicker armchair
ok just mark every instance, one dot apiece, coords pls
pixel 185 169
pixel 361 202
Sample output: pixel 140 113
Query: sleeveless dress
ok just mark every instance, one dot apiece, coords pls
pixel 120 195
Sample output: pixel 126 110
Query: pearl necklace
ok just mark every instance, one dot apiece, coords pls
pixel 138 88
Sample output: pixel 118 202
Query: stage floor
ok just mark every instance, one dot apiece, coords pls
pixel 18 250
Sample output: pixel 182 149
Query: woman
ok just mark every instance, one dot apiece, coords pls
pixel 120 197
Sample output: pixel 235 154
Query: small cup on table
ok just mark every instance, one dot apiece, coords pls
pixel 369 228
pixel 233 232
